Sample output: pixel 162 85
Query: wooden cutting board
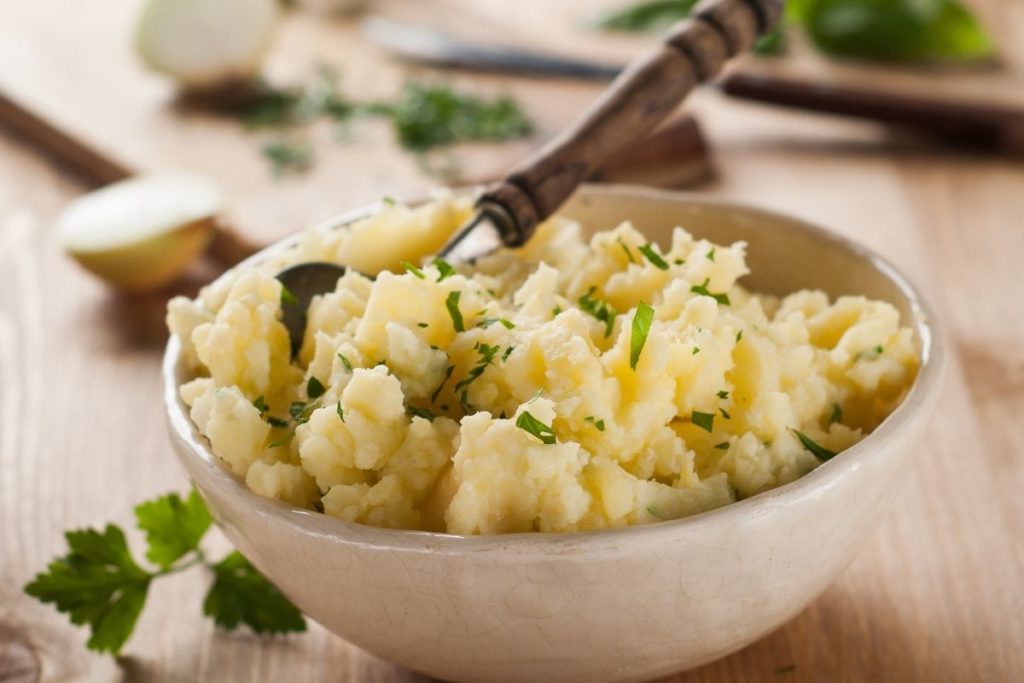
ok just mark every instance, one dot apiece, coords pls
pixel 78 89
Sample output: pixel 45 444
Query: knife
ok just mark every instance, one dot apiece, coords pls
pixel 975 123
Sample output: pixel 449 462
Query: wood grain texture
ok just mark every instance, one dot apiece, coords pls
pixel 937 595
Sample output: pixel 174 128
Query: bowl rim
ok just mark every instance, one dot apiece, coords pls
pixel 924 390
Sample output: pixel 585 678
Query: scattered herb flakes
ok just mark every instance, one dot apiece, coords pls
pixel 870 354
pixel 702 289
pixel 340 410
pixel 301 411
pixel 287 298
pixel 437 392
pixel 452 304
pixel 696 350
pixel 725 413
pixel 679 261
pixel 711 254
pixel 594 421
pixel 487 353
pixel 739 336
pixel 422 325
pixel 724 446
pixel 283 441
pixel 315 388
pixel 508 352
pixel 388 201
pixel 429 116
pixel 642 320
pixel 260 404
pixel 420 412
pixel 345 361
pixel 705 421
pixel 820 452
pixel 288 156
pixel 528 423
pixel 625 248
pixel 537 394
pixel 555 311
pixel 444 269
pixel 413 270
pixel 837 414
pixel 276 422
pixel 652 255
pixel 487 322
pixel 653 511
pixel 723 394
pixel 599 309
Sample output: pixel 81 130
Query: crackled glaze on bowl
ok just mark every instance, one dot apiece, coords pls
pixel 618 605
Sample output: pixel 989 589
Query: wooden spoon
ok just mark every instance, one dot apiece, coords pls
pixel 647 91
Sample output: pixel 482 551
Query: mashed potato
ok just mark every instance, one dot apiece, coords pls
pixel 568 385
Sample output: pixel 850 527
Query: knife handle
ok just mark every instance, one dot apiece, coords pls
pixel 645 93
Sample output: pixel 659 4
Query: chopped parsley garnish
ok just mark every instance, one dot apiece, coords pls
pixel 652 255
pixel 345 361
pixel 594 421
pixel 725 413
pixel 315 388
pixel 283 441
pixel 276 422
pixel 444 269
pixel 696 350
pixel 528 423
pixel 98 583
pixel 870 354
pixel 537 394
pixel 702 289
pixel 555 311
pixel 711 254
pixel 288 155
pixel 599 309
pixel 341 411
pixel 508 352
pixel 820 452
pixel 388 201
pixel 260 404
pixel 487 322
pixel 837 414
pixel 452 303
pixel 410 268
pixel 679 261
pixel 420 412
pixel 739 336
pixel 625 248
pixel 705 421
pixel 642 320
pixel 487 353
pixel 437 392
pixel 724 446
pixel 287 297
pixel 653 511
pixel 723 394
pixel 301 411
pixel 422 325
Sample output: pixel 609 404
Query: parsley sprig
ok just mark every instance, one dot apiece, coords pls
pixel 99 584
pixel 642 320
pixel 702 289
pixel 528 423
pixel 599 309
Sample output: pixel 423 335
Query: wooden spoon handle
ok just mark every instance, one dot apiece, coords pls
pixel 645 93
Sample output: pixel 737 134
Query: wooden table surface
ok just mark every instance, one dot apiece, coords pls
pixel 937 594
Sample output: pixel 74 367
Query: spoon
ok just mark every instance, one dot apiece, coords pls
pixel 647 91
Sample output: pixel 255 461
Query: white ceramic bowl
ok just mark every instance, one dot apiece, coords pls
pixel 617 605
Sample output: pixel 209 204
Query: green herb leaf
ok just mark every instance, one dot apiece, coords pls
pixel 173 527
pixel 315 388
pixel 724 446
pixel 702 289
pixel 739 336
pixel 725 413
pixel 508 352
pixel 97 584
pixel 452 304
pixel 287 297
pixel 711 254
pixel 599 309
pixel 625 248
pixel 642 320
pixel 696 350
pixel 340 411
pixel 594 421
pixel 260 404
pixel 410 268
pixel 837 414
pixel 653 256
pixel 819 452
pixel 276 421
pixel 447 375
pixel 420 412
pixel 345 361
pixel 723 394
pixel 528 423
pixel 444 269
pixel 240 595
pixel 487 322
pixel 288 156
pixel 487 354
pixel 647 17
pixel 897 30
pixel 422 325
pixel 705 421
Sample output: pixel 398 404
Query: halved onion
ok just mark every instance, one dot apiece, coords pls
pixel 141 233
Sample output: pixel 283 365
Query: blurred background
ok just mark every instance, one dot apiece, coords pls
pixel 899 123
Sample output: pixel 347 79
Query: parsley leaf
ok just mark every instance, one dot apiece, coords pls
pixel 724 446
pixel 723 394
pixel 642 320
pixel 340 410
pixel 837 414
pixel 345 361
pixel 452 304
pixel 625 248
pixel 287 297
pixel 487 354
pixel 711 254
pixel 820 452
pixel 444 269
pixel 702 289
pixel 173 527
pixel 420 412
pixel 447 376
pixel 705 421
pixel 653 256
pixel 528 423
pixel 599 309
pixel 96 583
pixel 487 322
pixel 315 388
pixel 594 421
pixel 240 595
pixel 410 268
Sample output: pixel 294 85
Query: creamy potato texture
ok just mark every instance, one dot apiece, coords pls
pixel 512 396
